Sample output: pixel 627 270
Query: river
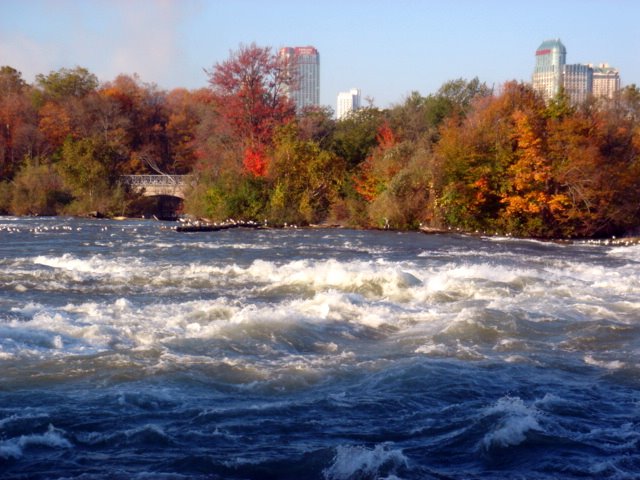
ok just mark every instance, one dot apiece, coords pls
pixel 130 351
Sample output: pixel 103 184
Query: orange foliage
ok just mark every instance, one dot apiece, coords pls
pixel 374 172
pixel 365 182
pixel 55 123
pixel 385 137
pixel 530 173
pixel 255 161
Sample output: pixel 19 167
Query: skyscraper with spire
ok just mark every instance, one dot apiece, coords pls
pixel 304 65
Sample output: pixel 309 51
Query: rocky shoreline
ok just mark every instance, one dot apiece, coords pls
pixel 193 225
pixel 209 226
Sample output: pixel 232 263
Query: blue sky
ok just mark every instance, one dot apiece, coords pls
pixel 386 48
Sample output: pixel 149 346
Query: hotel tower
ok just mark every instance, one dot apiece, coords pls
pixel 579 81
pixel 304 65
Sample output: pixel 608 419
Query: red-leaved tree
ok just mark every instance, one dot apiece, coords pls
pixel 250 90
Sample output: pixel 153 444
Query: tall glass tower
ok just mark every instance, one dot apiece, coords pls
pixel 304 63
pixel 551 57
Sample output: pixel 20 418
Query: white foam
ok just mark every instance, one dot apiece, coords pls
pixel 362 462
pixel 66 262
pixel 96 265
pixel 372 278
pixel 609 365
pixel 515 419
pixel 631 252
pixel 428 307
pixel 14 447
pixel 456 350
pixel 28 309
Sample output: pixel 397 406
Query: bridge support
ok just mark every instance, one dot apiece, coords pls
pixel 163 194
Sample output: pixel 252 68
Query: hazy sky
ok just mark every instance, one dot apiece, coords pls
pixel 386 48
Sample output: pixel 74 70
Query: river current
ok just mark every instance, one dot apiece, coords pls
pixel 130 351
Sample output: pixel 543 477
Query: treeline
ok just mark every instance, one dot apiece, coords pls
pixel 466 157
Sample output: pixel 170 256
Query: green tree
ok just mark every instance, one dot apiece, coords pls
pixel 419 118
pixel 6 192
pixel 560 106
pixel 627 101
pixel 460 94
pixel 87 169
pixel 407 201
pixel 67 83
pixel 355 135
pixel 306 179
pixel 38 190
pixel 230 195
pixel 11 81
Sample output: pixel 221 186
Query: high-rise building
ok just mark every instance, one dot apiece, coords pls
pixel 606 81
pixel 577 81
pixel 347 102
pixel 552 74
pixel 551 57
pixel 304 65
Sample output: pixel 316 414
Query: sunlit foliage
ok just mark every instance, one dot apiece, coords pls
pixel 467 157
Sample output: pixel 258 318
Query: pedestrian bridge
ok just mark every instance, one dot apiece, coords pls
pixel 157 185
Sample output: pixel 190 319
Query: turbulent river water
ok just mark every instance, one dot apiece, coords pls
pixel 129 351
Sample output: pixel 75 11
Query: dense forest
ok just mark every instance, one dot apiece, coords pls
pixel 466 157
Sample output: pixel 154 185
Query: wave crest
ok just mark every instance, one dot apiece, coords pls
pixel 361 462
pixel 53 438
pixel 515 420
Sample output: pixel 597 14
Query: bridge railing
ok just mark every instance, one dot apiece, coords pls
pixel 155 180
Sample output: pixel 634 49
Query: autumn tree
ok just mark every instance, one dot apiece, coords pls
pixel 60 95
pixel 19 134
pixel 250 90
pixel 596 162
pixel 183 116
pixel 306 179
pixel 475 154
pixel 472 156
pixel 532 204
pixel 55 123
pixel 138 116
pixel 379 167
pixel 407 201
